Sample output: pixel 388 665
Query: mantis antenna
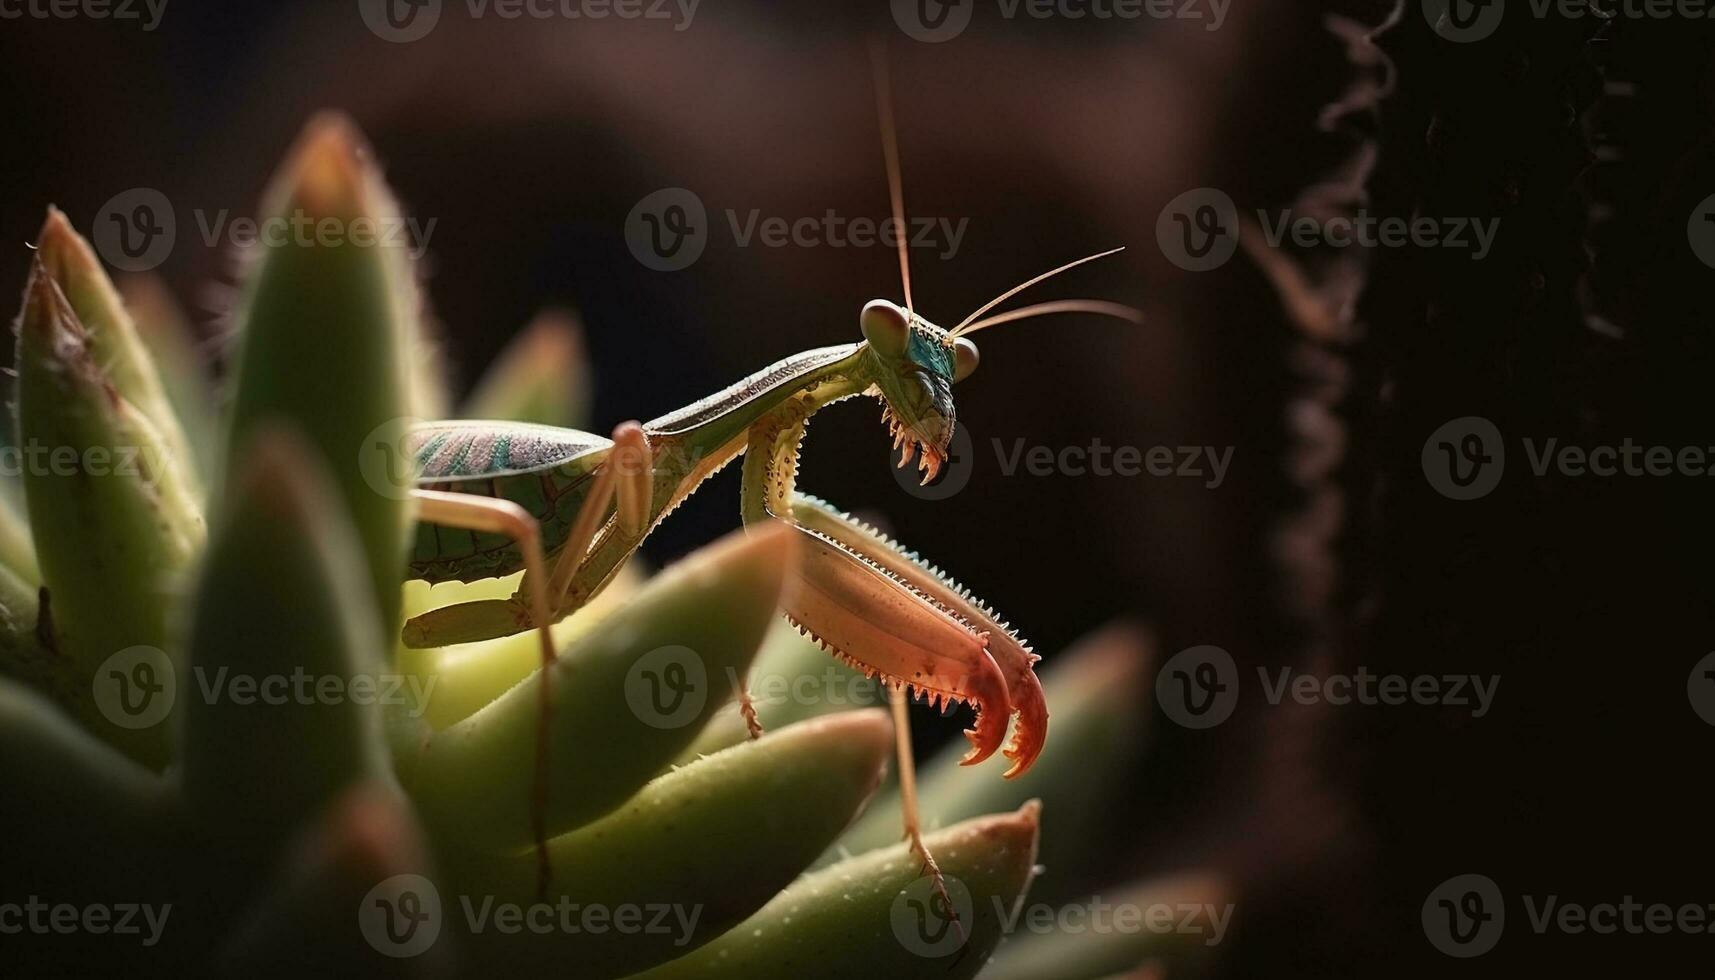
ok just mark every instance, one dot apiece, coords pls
pixel 1097 306
pixel 890 150
pixel 967 325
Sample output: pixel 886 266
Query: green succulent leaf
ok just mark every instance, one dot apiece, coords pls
pixel 1096 692
pixel 877 916
pixel 183 372
pixel 626 700
pixel 79 815
pixel 1153 927
pixel 17 551
pixel 712 842
pixel 113 338
pixel 542 376
pixel 280 698
pixel 115 524
pixel 325 330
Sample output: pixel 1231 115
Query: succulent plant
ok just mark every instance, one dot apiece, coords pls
pixel 206 717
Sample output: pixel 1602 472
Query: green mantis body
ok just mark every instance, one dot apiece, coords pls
pixel 864 597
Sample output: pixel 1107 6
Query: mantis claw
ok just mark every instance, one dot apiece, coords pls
pixel 954 611
pixel 865 617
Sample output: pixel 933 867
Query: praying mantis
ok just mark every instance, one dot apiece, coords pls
pixel 570 508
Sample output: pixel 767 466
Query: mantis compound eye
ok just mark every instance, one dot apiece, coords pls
pixel 965 358
pixel 884 327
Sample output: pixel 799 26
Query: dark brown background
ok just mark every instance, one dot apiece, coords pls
pixel 529 141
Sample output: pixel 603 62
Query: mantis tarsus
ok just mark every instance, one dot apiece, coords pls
pixel 570 508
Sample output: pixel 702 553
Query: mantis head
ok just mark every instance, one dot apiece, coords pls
pixel 915 364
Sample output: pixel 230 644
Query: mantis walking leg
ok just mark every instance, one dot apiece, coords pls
pixel 495 516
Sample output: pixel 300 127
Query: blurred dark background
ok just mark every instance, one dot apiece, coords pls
pixel 528 142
